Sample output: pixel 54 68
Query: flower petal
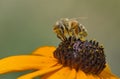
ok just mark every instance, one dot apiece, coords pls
pixel 46 51
pixel 39 72
pixel 81 75
pixel 63 73
pixel 72 74
pixel 92 76
pixel 25 62
pixel 107 74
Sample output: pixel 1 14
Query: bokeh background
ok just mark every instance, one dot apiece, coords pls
pixel 27 24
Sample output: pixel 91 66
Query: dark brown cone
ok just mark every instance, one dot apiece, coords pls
pixel 85 55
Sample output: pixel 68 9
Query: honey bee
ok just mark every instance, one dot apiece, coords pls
pixel 65 28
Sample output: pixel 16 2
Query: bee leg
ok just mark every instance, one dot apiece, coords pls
pixel 61 37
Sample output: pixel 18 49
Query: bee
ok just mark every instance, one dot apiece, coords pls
pixel 65 28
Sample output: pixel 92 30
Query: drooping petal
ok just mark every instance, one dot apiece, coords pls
pixel 107 74
pixel 39 72
pixel 63 73
pixel 81 75
pixel 46 51
pixel 25 62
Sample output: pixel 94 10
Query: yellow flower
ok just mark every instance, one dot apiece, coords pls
pixel 74 58
pixel 43 61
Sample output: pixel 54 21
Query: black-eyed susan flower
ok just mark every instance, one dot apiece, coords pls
pixel 74 58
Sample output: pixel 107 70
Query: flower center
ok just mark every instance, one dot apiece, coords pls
pixel 85 55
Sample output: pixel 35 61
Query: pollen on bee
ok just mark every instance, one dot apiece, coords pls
pixel 66 28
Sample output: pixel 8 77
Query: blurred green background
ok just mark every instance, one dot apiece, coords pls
pixel 27 24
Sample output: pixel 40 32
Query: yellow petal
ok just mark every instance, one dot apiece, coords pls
pixel 39 72
pixel 25 62
pixel 72 74
pixel 63 73
pixel 92 76
pixel 81 75
pixel 107 74
pixel 46 51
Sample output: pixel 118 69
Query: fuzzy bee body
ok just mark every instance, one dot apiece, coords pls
pixel 65 28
